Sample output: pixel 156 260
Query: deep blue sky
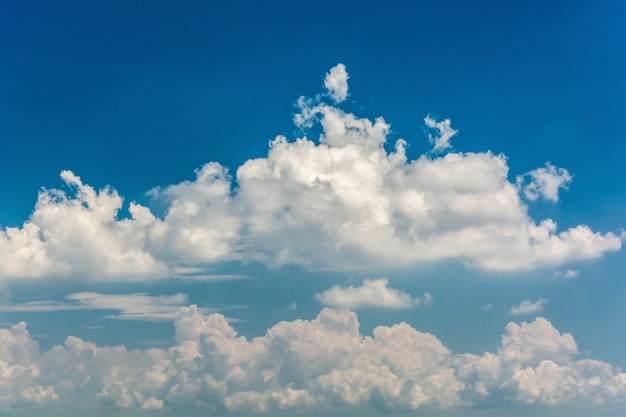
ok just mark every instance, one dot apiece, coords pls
pixel 138 94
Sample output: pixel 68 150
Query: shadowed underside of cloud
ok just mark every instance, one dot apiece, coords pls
pixel 317 364
pixel 342 201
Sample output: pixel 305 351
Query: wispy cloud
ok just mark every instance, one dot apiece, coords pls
pixel 445 132
pixel 568 273
pixel 137 306
pixel 528 307
pixel 372 293
pixel 202 274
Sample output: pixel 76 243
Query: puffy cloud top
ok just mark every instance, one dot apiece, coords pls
pixel 318 364
pixel 342 201
pixel 336 82
pixel 373 293
pixel 544 183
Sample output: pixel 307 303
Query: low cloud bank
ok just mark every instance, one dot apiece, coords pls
pixel 317 364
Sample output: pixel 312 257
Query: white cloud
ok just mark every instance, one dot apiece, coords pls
pixel 372 293
pixel 134 306
pixel 336 83
pixel 528 307
pixel 202 274
pixel 342 201
pixel 130 306
pixel 568 273
pixel 201 224
pixel 302 365
pixel 20 384
pixel 81 235
pixel 544 183
pixel 440 141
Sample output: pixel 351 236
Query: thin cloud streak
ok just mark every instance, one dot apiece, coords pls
pixel 138 306
pixel 529 307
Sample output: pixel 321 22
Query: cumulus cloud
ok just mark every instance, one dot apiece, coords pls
pixel 336 83
pixel 544 183
pixel 372 293
pixel 138 306
pixel 20 369
pixel 345 200
pixel 80 234
pixel 302 365
pixel 440 141
pixel 528 307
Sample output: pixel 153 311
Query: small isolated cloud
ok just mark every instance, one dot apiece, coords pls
pixel 336 82
pixel 544 183
pixel 373 293
pixel 440 141
pixel 568 274
pixel 528 307
pixel 130 306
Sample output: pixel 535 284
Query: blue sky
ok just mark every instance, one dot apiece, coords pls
pixel 256 209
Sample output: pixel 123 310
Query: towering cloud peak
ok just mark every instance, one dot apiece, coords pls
pixel 343 201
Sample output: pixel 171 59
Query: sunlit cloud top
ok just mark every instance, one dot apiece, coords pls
pixel 344 200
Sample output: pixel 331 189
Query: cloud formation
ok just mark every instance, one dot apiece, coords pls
pixel 440 141
pixel 544 183
pixel 336 83
pixel 302 365
pixel 528 307
pixel 130 306
pixel 79 234
pixel 372 293
pixel 342 201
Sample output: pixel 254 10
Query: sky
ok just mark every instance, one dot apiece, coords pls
pixel 293 209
